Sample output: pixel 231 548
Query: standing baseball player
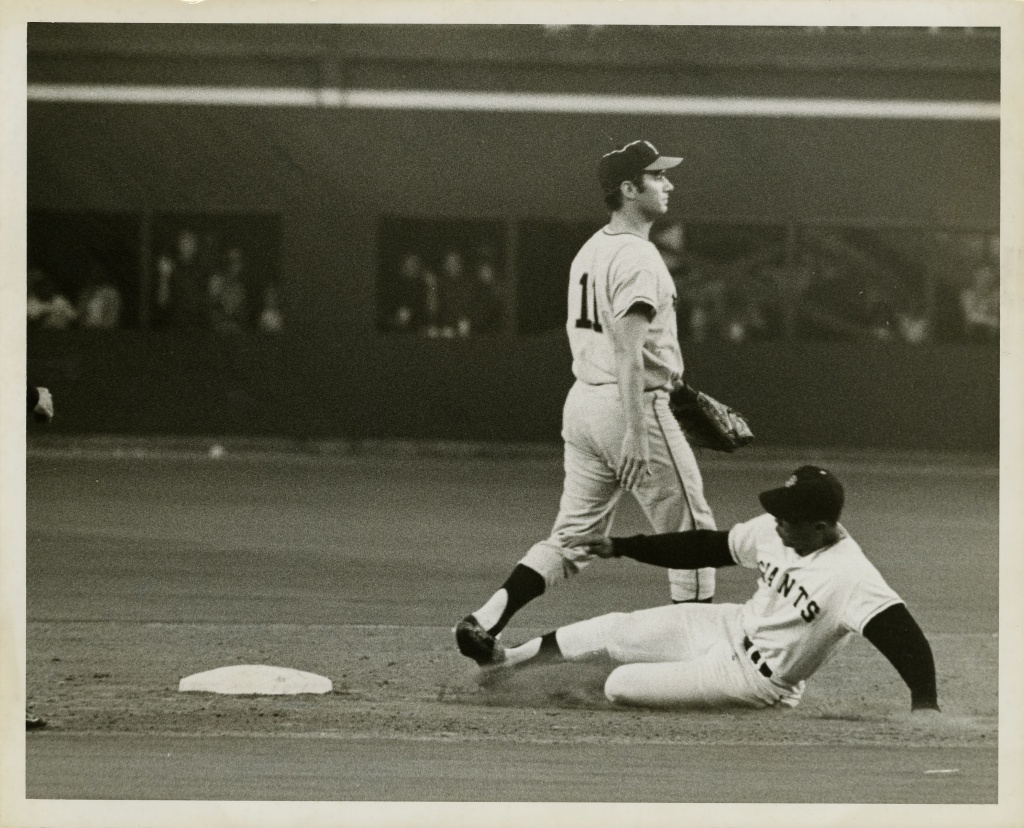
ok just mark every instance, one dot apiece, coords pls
pixel 815 588
pixel 618 430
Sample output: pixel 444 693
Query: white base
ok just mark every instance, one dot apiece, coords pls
pixel 255 679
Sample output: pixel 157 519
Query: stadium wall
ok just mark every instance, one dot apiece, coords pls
pixel 330 175
pixel 878 395
pixel 330 172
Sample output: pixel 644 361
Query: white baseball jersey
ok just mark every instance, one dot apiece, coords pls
pixel 611 273
pixel 804 606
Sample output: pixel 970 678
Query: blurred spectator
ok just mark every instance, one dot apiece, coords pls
pixel 993 249
pixel 788 285
pixel 836 305
pixel 878 310
pixel 164 275
pixel 700 285
pixel 228 294
pixel 409 296
pixel 670 241
pixel 850 295
pixel 743 312
pixel 487 308
pixel 99 303
pixel 973 247
pixel 914 322
pixel 454 296
pixel 270 320
pixel 979 305
pixel 182 284
pixel 729 298
pixel 722 294
pixel 914 311
pixel 705 297
pixel 46 306
pixel 431 304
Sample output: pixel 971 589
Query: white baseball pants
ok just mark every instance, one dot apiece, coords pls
pixel 683 655
pixel 672 496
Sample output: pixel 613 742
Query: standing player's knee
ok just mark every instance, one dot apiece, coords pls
pixel 547 560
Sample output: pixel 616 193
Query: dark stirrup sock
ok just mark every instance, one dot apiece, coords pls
pixel 549 649
pixel 522 586
pixel 695 600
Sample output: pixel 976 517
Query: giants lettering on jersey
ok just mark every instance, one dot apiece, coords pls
pixel 785 585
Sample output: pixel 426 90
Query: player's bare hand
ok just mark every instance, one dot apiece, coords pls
pixel 634 460
pixel 593 544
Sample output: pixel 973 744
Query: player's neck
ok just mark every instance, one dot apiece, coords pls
pixel 828 537
pixel 629 221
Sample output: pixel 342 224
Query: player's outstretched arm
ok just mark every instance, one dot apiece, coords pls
pixel 897 636
pixel 596 544
pixel 673 550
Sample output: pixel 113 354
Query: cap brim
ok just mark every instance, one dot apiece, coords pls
pixel 776 502
pixel 663 162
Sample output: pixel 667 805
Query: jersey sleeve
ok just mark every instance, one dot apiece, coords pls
pixel 867 597
pixel 633 278
pixel 746 538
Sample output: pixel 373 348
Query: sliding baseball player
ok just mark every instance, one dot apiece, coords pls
pixel 816 587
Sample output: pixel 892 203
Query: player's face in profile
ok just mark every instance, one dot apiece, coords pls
pixel 653 197
pixel 802 536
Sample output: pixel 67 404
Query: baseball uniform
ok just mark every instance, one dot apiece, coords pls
pixel 621 297
pixel 815 588
pixel 611 274
pixel 758 653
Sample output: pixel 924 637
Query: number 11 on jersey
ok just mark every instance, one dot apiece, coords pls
pixel 584 320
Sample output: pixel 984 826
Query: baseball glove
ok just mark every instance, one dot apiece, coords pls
pixel 707 423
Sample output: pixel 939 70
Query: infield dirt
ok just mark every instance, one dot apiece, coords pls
pixel 408 683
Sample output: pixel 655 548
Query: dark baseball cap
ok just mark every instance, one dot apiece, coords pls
pixel 811 493
pixel 626 163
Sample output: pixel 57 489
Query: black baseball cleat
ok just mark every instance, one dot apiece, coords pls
pixel 34 722
pixel 476 643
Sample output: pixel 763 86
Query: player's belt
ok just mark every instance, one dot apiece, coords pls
pixel 757 658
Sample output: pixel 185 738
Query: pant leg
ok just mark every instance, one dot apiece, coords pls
pixel 590 491
pixel 703 666
pixel 674 655
pixel 715 679
pixel 674 632
pixel 590 494
pixel 672 497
